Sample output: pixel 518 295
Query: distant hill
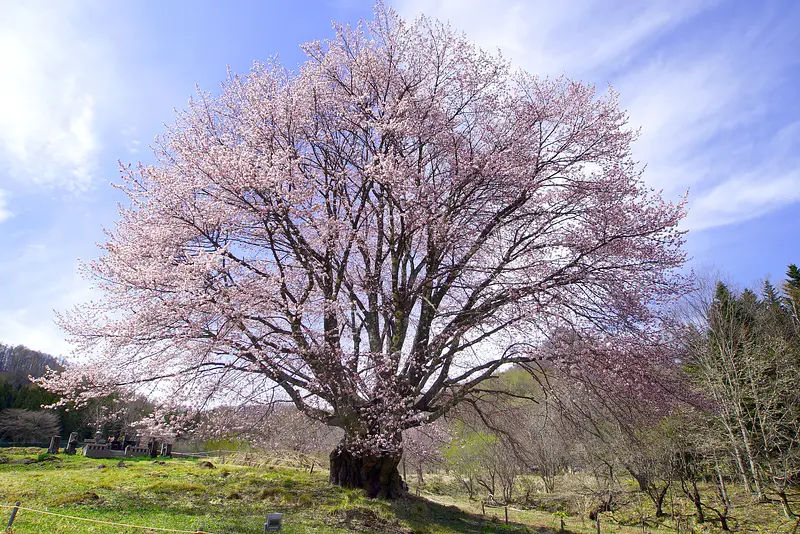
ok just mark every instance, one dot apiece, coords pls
pixel 17 363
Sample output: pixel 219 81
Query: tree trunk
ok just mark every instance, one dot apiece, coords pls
pixel 698 503
pixel 377 475
pixel 658 499
pixel 752 461
pixel 721 488
pixel 787 509
pixel 742 471
pixel 640 478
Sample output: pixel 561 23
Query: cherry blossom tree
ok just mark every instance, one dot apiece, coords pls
pixel 423 446
pixel 374 236
pixel 272 427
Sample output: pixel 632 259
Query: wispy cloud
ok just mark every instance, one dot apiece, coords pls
pixel 703 79
pixel 48 98
pixel 744 197
pixel 39 284
pixel 4 211
pixel 573 37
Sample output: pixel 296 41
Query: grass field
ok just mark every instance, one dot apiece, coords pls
pixel 184 495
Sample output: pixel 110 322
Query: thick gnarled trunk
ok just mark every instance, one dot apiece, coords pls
pixel 376 474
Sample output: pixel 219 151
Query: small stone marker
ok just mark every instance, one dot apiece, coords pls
pixel 54 443
pixel 72 444
pixel 153 447
pixel 274 523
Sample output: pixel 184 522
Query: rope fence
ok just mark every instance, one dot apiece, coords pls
pixel 16 507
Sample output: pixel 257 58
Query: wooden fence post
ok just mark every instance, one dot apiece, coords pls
pixel 483 508
pixel 13 514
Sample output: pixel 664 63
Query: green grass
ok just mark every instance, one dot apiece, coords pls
pixel 227 499
pixel 180 494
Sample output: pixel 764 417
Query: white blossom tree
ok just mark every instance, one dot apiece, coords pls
pixel 375 235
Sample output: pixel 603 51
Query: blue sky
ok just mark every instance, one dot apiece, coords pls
pixel 712 84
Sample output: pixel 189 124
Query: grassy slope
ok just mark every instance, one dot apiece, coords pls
pixel 232 499
pixel 179 494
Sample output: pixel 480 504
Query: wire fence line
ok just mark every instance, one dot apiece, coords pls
pixel 16 507
pixel 203 454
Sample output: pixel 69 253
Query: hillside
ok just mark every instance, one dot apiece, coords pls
pixel 19 362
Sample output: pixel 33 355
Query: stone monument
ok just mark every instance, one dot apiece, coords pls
pixel 72 444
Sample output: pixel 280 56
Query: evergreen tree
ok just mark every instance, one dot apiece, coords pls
pixel 770 294
pixel 792 289
pixel 793 274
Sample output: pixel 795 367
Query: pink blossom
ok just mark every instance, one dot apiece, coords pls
pixel 374 235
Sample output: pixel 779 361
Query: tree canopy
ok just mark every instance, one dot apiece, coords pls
pixel 375 234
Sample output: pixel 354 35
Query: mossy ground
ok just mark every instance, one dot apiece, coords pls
pixel 180 494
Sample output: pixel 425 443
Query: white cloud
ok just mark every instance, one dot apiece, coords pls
pixel 16 328
pixel 43 286
pixel 573 37
pixel 132 143
pixel 700 93
pixel 48 97
pixel 743 198
pixel 4 211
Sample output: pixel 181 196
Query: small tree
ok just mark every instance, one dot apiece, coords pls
pixel 423 447
pixel 375 235
pixel 647 454
pixel 544 447
pixel 466 457
pixel 694 456
pixel 28 426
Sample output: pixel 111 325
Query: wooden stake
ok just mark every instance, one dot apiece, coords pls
pixel 13 514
